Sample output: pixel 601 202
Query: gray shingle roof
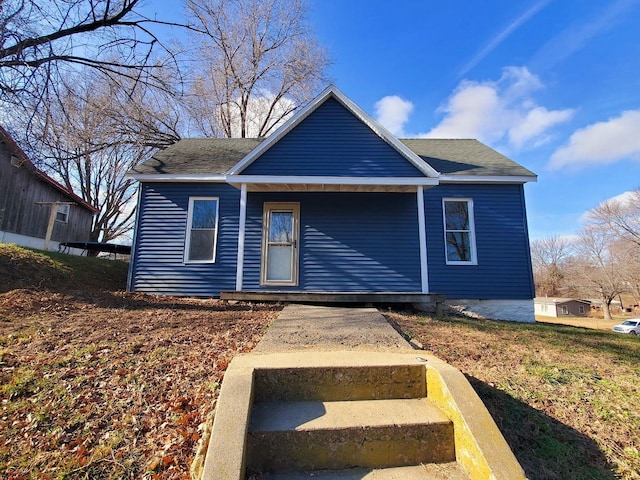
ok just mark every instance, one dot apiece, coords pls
pixel 465 157
pixel 198 156
pixel 211 156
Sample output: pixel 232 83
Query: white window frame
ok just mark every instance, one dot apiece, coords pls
pixel 63 210
pixel 187 240
pixel 472 231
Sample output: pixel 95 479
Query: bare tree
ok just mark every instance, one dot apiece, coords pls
pixel 92 134
pixel 258 63
pixel 627 254
pixel 42 41
pixel 596 267
pixel 620 216
pixel 549 256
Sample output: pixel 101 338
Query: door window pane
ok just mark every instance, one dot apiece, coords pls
pixel 279 263
pixel 281 227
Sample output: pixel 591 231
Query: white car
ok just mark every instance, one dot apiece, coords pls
pixel 629 326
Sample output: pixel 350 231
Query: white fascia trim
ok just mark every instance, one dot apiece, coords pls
pixel 487 179
pixel 333 91
pixel 317 180
pixel 195 177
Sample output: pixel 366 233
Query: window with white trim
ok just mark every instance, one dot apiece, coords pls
pixel 202 229
pixel 62 213
pixel 460 248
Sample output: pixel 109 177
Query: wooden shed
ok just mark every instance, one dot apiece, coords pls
pixel 35 210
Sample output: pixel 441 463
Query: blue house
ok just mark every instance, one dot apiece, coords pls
pixel 333 203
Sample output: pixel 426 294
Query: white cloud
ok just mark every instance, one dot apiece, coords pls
pixel 494 111
pixel 535 123
pixel 625 199
pixel 601 143
pixel 259 108
pixel 393 113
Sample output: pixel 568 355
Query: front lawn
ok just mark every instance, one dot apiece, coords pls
pixel 566 399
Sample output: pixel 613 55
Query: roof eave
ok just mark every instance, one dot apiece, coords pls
pixel 488 179
pixel 163 177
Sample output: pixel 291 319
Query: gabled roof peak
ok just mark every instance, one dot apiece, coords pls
pixel 333 91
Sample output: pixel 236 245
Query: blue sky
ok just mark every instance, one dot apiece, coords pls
pixel 552 84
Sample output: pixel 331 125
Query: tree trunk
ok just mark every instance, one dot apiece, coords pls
pixel 606 310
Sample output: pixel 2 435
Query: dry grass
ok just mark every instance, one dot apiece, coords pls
pixel 565 398
pixel 120 391
pixel 103 384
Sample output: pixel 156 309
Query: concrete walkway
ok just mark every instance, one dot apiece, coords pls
pixel 301 327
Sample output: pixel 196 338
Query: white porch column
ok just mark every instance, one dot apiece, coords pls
pixel 422 235
pixel 241 227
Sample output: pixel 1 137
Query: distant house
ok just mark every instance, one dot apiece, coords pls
pixel 32 204
pixel 561 307
pixel 334 204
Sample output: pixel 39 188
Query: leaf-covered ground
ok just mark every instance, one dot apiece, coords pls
pixel 113 389
pixel 566 399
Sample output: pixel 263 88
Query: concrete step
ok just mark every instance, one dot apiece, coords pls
pixel 432 471
pixel 316 435
pixel 340 383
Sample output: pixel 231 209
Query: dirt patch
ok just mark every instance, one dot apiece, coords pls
pixel 113 385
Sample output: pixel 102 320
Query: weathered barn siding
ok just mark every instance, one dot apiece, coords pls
pixel 504 263
pixel 331 141
pixel 349 242
pixel 158 258
pixel 20 189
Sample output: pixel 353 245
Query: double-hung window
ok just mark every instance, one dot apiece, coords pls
pixel 202 229
pixel 460 248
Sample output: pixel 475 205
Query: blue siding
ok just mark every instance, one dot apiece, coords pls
pixel 332 141
pixel 349 242
pixel 158 260
pixel 504 262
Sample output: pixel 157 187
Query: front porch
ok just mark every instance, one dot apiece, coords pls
pixel 336 297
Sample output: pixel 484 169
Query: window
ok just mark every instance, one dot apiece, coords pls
pixel 62 213
pixel 565 310
pixel 202 226
pixel 581 309
pixel 459 231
